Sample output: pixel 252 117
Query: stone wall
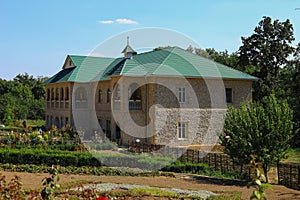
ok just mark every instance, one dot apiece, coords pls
pixel 202 125
pixel 203 112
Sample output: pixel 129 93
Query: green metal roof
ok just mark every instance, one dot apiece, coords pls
pixel 87 68
pixel 172 61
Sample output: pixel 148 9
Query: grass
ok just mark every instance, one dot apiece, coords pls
pixel 156 192
pixel 293 156
pixel 232 196
pixel 32 123
pixel 138 192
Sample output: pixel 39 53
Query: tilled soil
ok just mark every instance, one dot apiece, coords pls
pixel 181 181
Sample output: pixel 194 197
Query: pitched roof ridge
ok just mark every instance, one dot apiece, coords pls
pixel 217 63
pixel 140 64
pixel 109 69
pixel 91 57
pixel 123 65
pixel 185 51
pixel 164 59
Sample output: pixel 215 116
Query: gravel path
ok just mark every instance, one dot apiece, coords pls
pixel 112 186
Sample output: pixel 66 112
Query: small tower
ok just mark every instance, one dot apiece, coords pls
pixel 128 51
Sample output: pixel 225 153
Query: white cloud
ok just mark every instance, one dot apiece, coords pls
pixel 125 21
pixel 106 21
pixel 118 21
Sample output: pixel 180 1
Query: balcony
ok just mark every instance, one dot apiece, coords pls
pixel 81 103
pixel 135 105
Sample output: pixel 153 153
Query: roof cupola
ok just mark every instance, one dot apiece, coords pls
pixel 128 50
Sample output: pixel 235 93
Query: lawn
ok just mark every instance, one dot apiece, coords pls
pixel 293 156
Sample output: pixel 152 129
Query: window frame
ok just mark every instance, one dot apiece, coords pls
pixel 229 95
pixel 181 95
pixel 182 130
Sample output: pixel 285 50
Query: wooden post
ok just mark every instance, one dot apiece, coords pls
pixel 298 186
pixel 215 157
pixel 290 175
pixel 278 173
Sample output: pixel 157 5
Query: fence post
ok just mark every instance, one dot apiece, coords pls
pixel 221 166
pixel 278 173
pixel 298 186
pixel 215 157
pixel 291 176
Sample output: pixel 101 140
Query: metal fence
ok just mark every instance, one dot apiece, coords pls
pixel 215 160
pixel 289 175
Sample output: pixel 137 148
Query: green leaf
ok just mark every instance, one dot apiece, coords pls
pixel 257 194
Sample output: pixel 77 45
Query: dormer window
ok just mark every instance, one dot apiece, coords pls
pixel 70 62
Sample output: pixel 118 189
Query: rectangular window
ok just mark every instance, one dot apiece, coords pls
pixel 181 95
pixel 182 130
pixel 228 92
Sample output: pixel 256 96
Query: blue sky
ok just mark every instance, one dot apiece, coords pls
pixel 36 36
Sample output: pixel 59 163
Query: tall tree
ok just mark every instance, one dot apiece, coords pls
pixel 290 90
pixel 22 98
pixel 266 50
pixel 223 57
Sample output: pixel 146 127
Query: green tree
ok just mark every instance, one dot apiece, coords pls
pixel 24 96
pixel 8 103
pixel 262 129
pixel 266 51
pixel 290 90
pixel 223 57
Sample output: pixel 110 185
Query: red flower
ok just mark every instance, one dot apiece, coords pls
pixel 101 198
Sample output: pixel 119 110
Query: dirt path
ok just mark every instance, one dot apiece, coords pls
pixel 33 181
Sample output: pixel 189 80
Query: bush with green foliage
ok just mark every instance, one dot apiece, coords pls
pixel 263 129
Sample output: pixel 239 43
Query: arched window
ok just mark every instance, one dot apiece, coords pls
pixel 56 122
pixel 56 94
pixel 116 97
pixel 80 98
pixel 52 94
pixel 62 94
pixel 67 93
pixel 117 92
pixel 135 97
pixel 80 94
pixel 100 96
pixel 108 95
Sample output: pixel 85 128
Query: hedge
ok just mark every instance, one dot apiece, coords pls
pixel 48 157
